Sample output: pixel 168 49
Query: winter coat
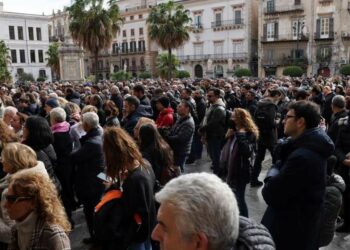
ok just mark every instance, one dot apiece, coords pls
pixel 333 201
pixel 165 118
pixel 201 106
pixel 327 107
pixel 112 121
pixel 118 100
pixel 129 122
pixel 214 123
pixel 294 191
pixel 89 162
pixel 333 127
pixel 232 101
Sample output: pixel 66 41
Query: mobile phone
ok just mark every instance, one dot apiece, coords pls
pixel 104 177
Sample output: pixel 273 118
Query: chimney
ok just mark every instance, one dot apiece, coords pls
pixel 1 6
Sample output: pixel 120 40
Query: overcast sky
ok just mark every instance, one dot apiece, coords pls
pixel 34 6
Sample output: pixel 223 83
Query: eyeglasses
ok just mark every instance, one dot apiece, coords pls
pixel 14 198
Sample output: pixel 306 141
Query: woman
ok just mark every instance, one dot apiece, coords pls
pixel 41 223
pixel 6 136
pixel 112 113
pixel 237 154
pixel 18 122
pixel 15 157
pixel 125 163
pixel 142 121
pixel 37 135
pixel 154 149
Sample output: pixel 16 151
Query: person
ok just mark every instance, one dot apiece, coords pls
pixel 96 101
pixel 117 98
pixel 41 223
pixel 139 92
pixel 9 114
pixel 124 159
pixel 230 97
pixel 295 185
pixel 130 114
pixel 142 121
pixel 112 113
pixel 181 134
pixel 89 162
pixel 339 111
pixel 15 157
pixel 327 107
pixel 165 118
pixel 17 124
pixel 189 217
pixel 237 154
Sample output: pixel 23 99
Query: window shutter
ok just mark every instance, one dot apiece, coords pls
pixel 276 30
pixel 318 28
pixel 331 27
pixel 265 32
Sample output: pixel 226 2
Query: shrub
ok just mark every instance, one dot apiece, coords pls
pixel 145 75
pixel 182 74
pixel 121 76
pixel 26 77
pixel 242 72
pixel 345 70
pixel 41 79
pixel 293 71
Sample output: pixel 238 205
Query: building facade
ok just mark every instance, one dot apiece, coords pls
pixel 314 35
pixel 26 36
pixel 224 37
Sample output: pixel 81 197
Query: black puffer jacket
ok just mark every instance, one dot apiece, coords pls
pixel 253 236
pixel 333 200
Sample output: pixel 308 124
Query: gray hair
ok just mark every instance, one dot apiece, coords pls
pixel 91 119
pixel 115 89
pixel 58 114
pixel 10 109
pixel 203 203
pixel 339 101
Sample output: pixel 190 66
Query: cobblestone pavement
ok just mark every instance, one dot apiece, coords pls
pixel 256 207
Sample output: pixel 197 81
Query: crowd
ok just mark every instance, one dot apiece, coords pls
pixel 115 148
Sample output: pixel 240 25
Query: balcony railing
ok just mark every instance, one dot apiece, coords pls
pixel 197 27
pixel 285 61
pixel 235 23
pixel 103 69
pixel 283 8
pixel 136 8
pixel 56 38
pixel 285 38
pixel 128 51
pixel 201 57
pixel 319 36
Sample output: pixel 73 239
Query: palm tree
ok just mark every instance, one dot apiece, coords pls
pixel 163 65
pixel 93 26
pixel 5 59
pixel 168 26
pixel 53 60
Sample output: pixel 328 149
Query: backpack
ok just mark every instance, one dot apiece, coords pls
pixel 265 116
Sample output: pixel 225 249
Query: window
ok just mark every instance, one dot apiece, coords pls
pixel 20 32
pixel 297 28
pixel 142 45
pixel 325 27
pixel 14 55
pixel 132 46
pixel 218 48
pixel 124 47
pixel 42 73
pixel 31 33
pixel 141 31
pixel 198 21
pixel 20 71
pixel 218 19
pixel 124 33
pixel 238 17
pixel 131 18
pixel 325 52
pixel 12 32
pixel 41 56
pixel 140 16
pixel 297 2
pixel 198 49
pixel 115 48
pixel 32 56
pixel 132 32
pixel 22 56
pixel 270 6
pixel 270 34
pixel 237 47
pixel 297 53
pixel 38 34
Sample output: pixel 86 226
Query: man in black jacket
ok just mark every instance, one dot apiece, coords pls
pixel 338 109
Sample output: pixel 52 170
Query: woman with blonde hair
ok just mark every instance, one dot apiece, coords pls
pixel 238 153
pixel 41 223
pixel 124 162
pixel 142 121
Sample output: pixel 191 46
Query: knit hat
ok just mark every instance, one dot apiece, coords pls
pixel 52 103
pixel 164 101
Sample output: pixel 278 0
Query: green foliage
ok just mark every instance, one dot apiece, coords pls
pixel 242 72
pixel 168 25
pixel 163 65
pixel 182 74
pixel 121 76
pixel 24 77
pixel 345 70
pixel 293 71
pixel 53 60
pixel 145 75
pixel 41 79
pixel 93 26
pixel 5 75
pixel 90 78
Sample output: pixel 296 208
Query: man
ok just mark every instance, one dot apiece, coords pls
pixel 327 107
pixel 181 134
pixel 117 99
pixel 338 109
pixel 230 97
pixel 295 186
pixel 9 114
pixel 199 212
pixel 165 118
pixel 89 162
pixel 139 92
pixel 251 102
pixel 214 127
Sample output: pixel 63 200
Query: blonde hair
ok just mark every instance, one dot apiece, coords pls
pixel 244 119
pixel 142 121
pixel 89 108
pixel 19 156
pixel 44 193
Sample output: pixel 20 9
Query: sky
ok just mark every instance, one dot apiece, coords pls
pixel 34 6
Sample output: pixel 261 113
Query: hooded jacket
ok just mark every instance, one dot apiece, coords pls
pixel 165 118
pixel 294 191
pixel 129 122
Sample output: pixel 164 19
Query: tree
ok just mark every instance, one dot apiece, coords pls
pixel 145 75
pixel 169 27
pixel 242 72
pixel 25 77
pixel 293 71
pixel 345 70
pixel 121 76
pixel 53 60
pixel 5 75
pixel 163 65
pixel 182 74
pixel 93 26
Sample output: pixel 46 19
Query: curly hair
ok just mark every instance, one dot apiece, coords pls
pixel 244 119
pixel 42 189
pixel 6 134
pixel 120 152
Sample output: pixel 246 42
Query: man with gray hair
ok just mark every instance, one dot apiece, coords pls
pixel 199 211
pixel 89 161
pixel 338 110
pixel 9 113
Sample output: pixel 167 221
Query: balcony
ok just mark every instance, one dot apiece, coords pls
pixel 236 57
pixel 136 8
pixel 345 35
pixel 56 38
pixel 285 38
pixel 104 69
pixel 324 37
pixel 325 1
pixel 130 52
pixel 283 9
pixel 227 24
pixel 197 27
pixel 285 61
